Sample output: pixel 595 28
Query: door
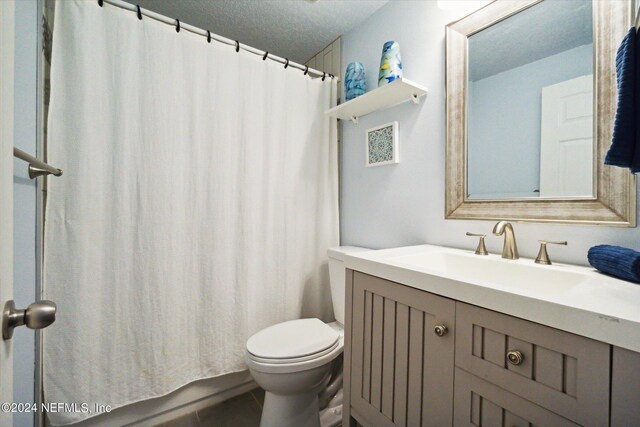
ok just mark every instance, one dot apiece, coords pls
pixel 566 146
pixel 20 108
pixel 6 195
pixel 402 354
pixel 625 393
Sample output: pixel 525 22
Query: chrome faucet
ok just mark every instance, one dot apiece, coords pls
pixel 510 249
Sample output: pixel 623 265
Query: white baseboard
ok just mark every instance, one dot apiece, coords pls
pixel 190 398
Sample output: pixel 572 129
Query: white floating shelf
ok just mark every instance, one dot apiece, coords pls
pixel 394 93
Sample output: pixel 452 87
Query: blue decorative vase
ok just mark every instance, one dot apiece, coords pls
pixel 354 82
pixel 390 63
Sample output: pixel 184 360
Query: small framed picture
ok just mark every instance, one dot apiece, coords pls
pixel 382 145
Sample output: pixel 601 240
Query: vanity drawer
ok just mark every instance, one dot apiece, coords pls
pixel 480 403
pixel 562 372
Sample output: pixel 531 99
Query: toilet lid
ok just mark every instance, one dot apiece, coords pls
pixel 295 338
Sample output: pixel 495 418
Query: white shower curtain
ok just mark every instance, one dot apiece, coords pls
pixel 198 198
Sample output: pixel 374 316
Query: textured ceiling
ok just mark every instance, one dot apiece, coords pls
pixel 294 29
pixel 542 30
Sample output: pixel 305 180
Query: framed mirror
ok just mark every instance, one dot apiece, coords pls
pixel 531 100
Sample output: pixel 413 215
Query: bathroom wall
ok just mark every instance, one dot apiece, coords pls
pixel 24 203
pixel 403 204
pixel 514 97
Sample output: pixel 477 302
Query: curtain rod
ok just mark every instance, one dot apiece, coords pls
pixel 211 36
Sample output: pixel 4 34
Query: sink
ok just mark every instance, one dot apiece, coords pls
pixel 572 298
pixel 494 271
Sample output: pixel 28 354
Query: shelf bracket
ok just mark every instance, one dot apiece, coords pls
pixel 415 99
pixel 354 119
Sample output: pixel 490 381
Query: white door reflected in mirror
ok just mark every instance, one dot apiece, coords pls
pixel 566 145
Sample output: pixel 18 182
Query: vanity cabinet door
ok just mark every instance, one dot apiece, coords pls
pixel 559 371
pixel 625 388
pixel 480 403
pixel 401 371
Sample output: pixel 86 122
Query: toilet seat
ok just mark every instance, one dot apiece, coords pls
pixel 290 367
pixel 293 346
pixel 294 359
pixel 292 339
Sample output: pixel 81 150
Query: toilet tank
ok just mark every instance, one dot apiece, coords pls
pixel 337 277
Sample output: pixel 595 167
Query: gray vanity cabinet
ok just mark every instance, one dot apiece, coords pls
pixel 403 368
pixel 400 369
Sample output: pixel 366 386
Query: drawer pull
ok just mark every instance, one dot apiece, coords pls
pixel 515 357
pixel 440 330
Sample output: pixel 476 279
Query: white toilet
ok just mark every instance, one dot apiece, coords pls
pixel 292 360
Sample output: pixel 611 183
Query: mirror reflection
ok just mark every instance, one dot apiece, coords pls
pixel 530 104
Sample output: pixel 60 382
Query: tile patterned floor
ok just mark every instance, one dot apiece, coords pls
pixel 241 411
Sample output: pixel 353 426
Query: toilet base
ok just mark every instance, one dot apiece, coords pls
pixel 300 410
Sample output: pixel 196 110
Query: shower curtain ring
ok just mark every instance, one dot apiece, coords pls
pixel 265 56
pixel 286 64
pixel 139 12
pixel 237 46
pixel 306 70
pixel 177 25
pixel 208 36
pixel 324 75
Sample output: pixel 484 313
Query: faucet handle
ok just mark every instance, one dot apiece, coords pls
pixel 481 249
pixel 543 255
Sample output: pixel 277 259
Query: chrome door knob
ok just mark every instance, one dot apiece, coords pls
pixel 515 357
pixel 440 330
pixel 38 315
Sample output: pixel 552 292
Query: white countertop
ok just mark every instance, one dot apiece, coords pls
pixel 599 307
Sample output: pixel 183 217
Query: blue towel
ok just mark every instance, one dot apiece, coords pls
pixel 623 146
pixel 616 261
pixel 635 165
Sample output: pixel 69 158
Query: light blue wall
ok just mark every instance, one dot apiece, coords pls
pixel 24 192
pixel 504 122
pixel 403 204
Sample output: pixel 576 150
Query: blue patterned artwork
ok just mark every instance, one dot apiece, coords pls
pixel 382 145
pixel 354 82
pixel 390 63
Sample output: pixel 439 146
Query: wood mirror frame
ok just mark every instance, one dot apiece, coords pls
pixel 614 202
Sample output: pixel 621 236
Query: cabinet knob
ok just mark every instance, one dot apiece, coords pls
pixel 440 330
pixel 515 357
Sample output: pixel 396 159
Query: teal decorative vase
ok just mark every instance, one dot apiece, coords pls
pixel 354 82
pixel 390 63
